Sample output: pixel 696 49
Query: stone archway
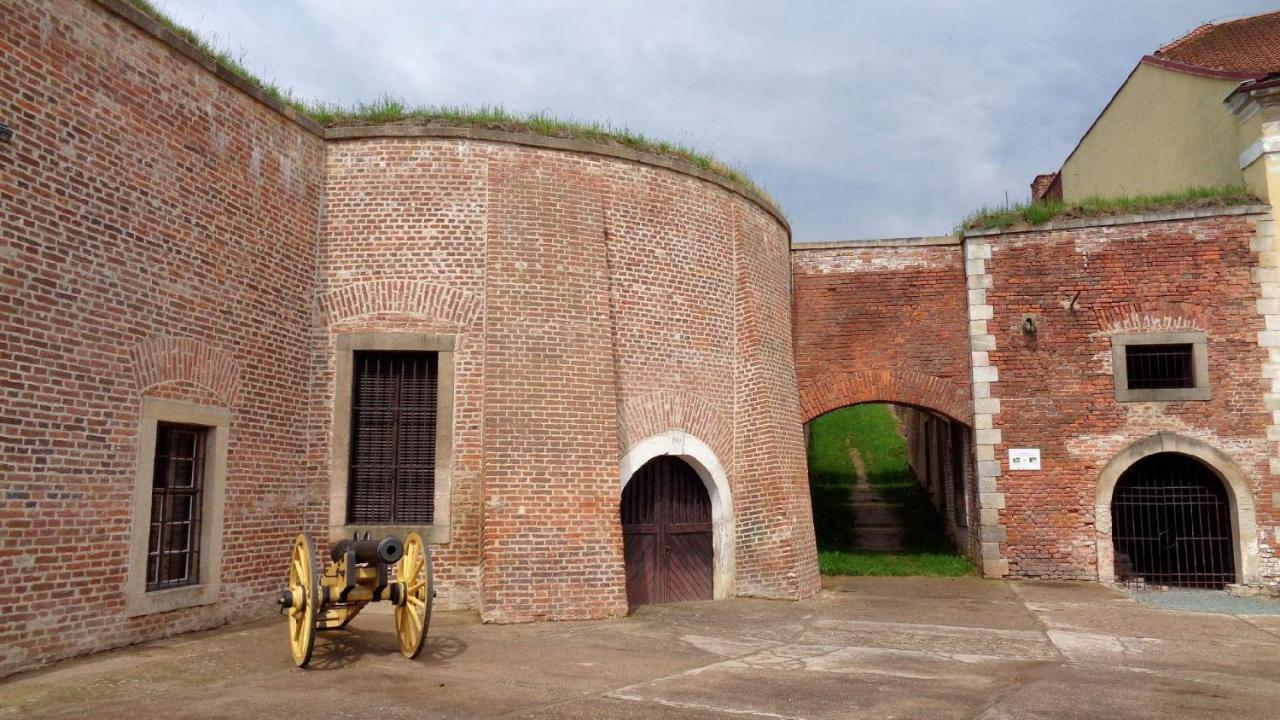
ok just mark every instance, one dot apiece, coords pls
pixel 703 460
pixel 1239 494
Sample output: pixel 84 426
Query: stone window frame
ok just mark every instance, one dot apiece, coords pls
pixel 345 347
pixel 1199 342
pixel 138 601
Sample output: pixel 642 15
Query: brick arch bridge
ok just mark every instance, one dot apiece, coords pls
pixel 900 387
pixel 883 321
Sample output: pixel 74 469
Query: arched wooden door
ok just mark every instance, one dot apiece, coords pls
pixel 1171 524
pixel 666 534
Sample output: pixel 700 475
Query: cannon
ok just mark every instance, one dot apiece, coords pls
pixel 360 572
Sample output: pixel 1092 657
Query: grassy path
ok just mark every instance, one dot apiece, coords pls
pixel 870 430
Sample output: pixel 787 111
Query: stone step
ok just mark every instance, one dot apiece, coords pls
pixel 880 538
pixel 865 495
pixel 874 514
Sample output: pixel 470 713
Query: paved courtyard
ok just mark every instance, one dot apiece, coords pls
pixel 864 648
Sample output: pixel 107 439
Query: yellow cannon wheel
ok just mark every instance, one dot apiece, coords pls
pixel 414 614
pixel 304 588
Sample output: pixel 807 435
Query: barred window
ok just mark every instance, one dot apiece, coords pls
pixel 393 438
pixel 1161 366
pixel 1153 367
pixel 177 500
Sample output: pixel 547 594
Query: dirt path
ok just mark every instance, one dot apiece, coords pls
pixel 877 524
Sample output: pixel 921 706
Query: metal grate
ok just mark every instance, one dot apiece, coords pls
pixel 1171 524
pixel 1156 367
pixel 393 438
pixel 177 500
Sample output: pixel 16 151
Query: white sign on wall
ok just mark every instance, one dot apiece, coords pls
pixel 1024 458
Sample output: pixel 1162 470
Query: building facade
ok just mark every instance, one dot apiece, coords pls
pixel 224 324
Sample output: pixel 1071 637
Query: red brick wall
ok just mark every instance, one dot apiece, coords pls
pixel 166 234
pixel 1055 387
pixel 157 237
pixel 881 323
pixel 403 250
pixel 552 541
pixel 612 302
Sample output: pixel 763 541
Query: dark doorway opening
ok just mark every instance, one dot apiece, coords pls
pixel 1171 524
pixel 666 534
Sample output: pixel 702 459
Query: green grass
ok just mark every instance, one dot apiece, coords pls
pixel 1042 211
pixel 872 430
pixel 272 90
pixel 876 564
pixel 389 109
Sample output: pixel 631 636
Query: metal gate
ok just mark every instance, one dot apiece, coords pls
pixel 1171 524
pixel 666 534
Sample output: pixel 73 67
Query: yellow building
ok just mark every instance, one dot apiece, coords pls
pixel 1202 111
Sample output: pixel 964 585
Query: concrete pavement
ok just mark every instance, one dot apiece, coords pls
pixel 865 648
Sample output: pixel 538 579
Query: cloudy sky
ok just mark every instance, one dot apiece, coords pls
pixel 864 119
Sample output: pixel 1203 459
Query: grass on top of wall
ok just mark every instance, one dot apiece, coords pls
pixel 389 109
pixel 872 430
pixel 1042 211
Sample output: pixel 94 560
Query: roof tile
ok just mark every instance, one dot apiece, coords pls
pixel 1250 44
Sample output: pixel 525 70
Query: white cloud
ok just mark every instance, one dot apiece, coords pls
pixel 863 118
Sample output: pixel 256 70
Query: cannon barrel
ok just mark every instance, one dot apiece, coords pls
pixel 387 550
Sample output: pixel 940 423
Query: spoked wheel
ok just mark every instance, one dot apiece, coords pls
pixel 414 615
pixel 304 589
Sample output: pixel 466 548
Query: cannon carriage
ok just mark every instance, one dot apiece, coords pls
pixel 360 572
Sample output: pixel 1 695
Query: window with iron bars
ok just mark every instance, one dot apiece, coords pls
pixel 1160 367
pixel 393 438
pixel 177 500
pixel 1154 367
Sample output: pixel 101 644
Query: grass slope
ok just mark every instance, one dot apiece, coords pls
pixel 1043 211
pixel 872 430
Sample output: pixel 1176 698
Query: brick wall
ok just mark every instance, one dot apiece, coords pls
pixel 1053 389
pixel 606 302
pixel 166 233
pixel 881 322
pixel 157 237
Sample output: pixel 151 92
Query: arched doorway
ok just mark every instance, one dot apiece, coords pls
pixel 1238 487
pixel 1171 523
pixel 667 534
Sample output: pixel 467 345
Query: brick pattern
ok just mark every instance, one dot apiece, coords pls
pixel 881 323
pixel 402 250
pixel 1056 389
pixel 165 360
pixel 776 550
pixel 902 387
pixel 552 539
pixel 157 235
pixel 1153 316
pixel 417 247
pixel 644 416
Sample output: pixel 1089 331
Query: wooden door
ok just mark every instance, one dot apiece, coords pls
pixel 666 534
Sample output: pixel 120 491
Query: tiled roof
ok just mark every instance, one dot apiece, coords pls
pixel 1248 45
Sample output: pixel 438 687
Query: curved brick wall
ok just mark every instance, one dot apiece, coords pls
pixel 597 302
